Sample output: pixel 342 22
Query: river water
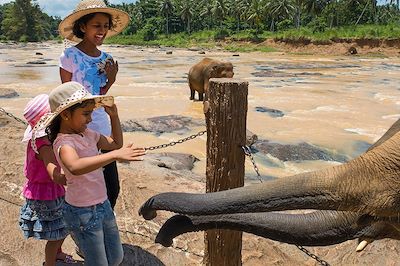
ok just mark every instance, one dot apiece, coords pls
pixel 342 104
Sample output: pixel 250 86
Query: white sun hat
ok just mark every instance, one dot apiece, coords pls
pixel 63 97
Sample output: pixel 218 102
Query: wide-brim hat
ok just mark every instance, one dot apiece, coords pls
pixel 120 18
pixel 63 97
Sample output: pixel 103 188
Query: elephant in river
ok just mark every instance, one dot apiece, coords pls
pixel 207 68
pixel 358 199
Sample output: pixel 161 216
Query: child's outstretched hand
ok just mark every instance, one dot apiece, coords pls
pixel 111 110
pixel 129 153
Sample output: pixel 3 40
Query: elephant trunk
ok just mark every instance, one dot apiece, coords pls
pixel 304 191
pixel 319 228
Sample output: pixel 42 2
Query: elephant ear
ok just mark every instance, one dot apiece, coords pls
pixel 215 69
pixel 390 133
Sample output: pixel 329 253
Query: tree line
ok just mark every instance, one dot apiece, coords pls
pixel 173 16
pixel 23 20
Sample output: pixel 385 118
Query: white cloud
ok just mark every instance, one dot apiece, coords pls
pixel 62 8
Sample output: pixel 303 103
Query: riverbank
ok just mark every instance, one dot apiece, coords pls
pixel 365 40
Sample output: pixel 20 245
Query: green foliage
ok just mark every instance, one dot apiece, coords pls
pixel 22 20
pixel 318 24
pixel 221 34
pixel 285 24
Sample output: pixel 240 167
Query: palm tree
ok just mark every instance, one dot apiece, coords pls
pixel 206 11
pixel 256 13
pixel 299 4
pixel 219 10
pixel 186 13
pixel 280 9
pixel 167 9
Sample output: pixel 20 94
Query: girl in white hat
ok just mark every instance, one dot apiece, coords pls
pixel 89 24
pixel 87 211
pixel 41 215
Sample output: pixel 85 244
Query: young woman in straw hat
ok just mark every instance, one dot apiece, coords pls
pixel 88 25
pixel 87 211
pixel 41 215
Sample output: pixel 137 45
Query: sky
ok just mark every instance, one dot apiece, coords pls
pixel 62 8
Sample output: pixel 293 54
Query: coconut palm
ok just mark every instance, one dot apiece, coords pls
pixel 280 9
pixel 186 13
pixel 256 13
pixel 167 9
pixel 206 11
pixel 220 10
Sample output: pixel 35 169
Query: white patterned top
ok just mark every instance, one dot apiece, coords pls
pixel 89 71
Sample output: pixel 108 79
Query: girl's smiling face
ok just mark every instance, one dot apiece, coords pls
pixel 76 121
pixel 96 28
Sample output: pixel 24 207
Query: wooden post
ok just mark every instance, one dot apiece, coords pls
pixel 225 111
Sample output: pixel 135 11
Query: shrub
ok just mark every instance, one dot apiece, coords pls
pixel 221 34
pixel 285 24
pixel 318 24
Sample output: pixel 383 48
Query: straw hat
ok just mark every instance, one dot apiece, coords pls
pixel 62 98
pixel 120 18
pixel 34 110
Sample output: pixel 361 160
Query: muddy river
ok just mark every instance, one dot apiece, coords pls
pixel 339 104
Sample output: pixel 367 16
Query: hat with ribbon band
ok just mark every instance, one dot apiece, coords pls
pixel 62 98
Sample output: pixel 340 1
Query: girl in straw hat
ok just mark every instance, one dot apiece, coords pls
pixel 89 24
pixel 41 215
pixel 87 211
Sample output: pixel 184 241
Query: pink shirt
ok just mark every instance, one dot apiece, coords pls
pixel 87 189
pixel 39 185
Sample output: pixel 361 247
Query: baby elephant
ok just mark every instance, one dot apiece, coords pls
pixel 200 73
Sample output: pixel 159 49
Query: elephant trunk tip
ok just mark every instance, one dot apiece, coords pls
pixel 172 228
pixel 147 211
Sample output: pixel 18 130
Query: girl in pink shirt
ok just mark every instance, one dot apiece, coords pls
pixel 41 215
pixel 87 211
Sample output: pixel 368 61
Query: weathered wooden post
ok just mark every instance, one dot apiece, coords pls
pixel 226 112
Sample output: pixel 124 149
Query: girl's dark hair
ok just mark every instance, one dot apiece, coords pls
pixel 53 129
pixel 83 20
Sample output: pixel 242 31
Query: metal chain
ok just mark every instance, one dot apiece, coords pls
pixel 247 152
pixel 315 257
pixel 176 142
pixel 148 148
pixel 12 116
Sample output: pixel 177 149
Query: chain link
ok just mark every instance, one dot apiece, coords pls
pixel 315 257
pixel 12 116
pixel 176 142
pixel 247 152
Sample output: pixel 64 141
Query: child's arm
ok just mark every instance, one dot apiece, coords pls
pixel 46 154
pixel 116 140
pixel 80 166
pixel 65 75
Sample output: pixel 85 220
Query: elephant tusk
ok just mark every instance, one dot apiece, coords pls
pixel 363 244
